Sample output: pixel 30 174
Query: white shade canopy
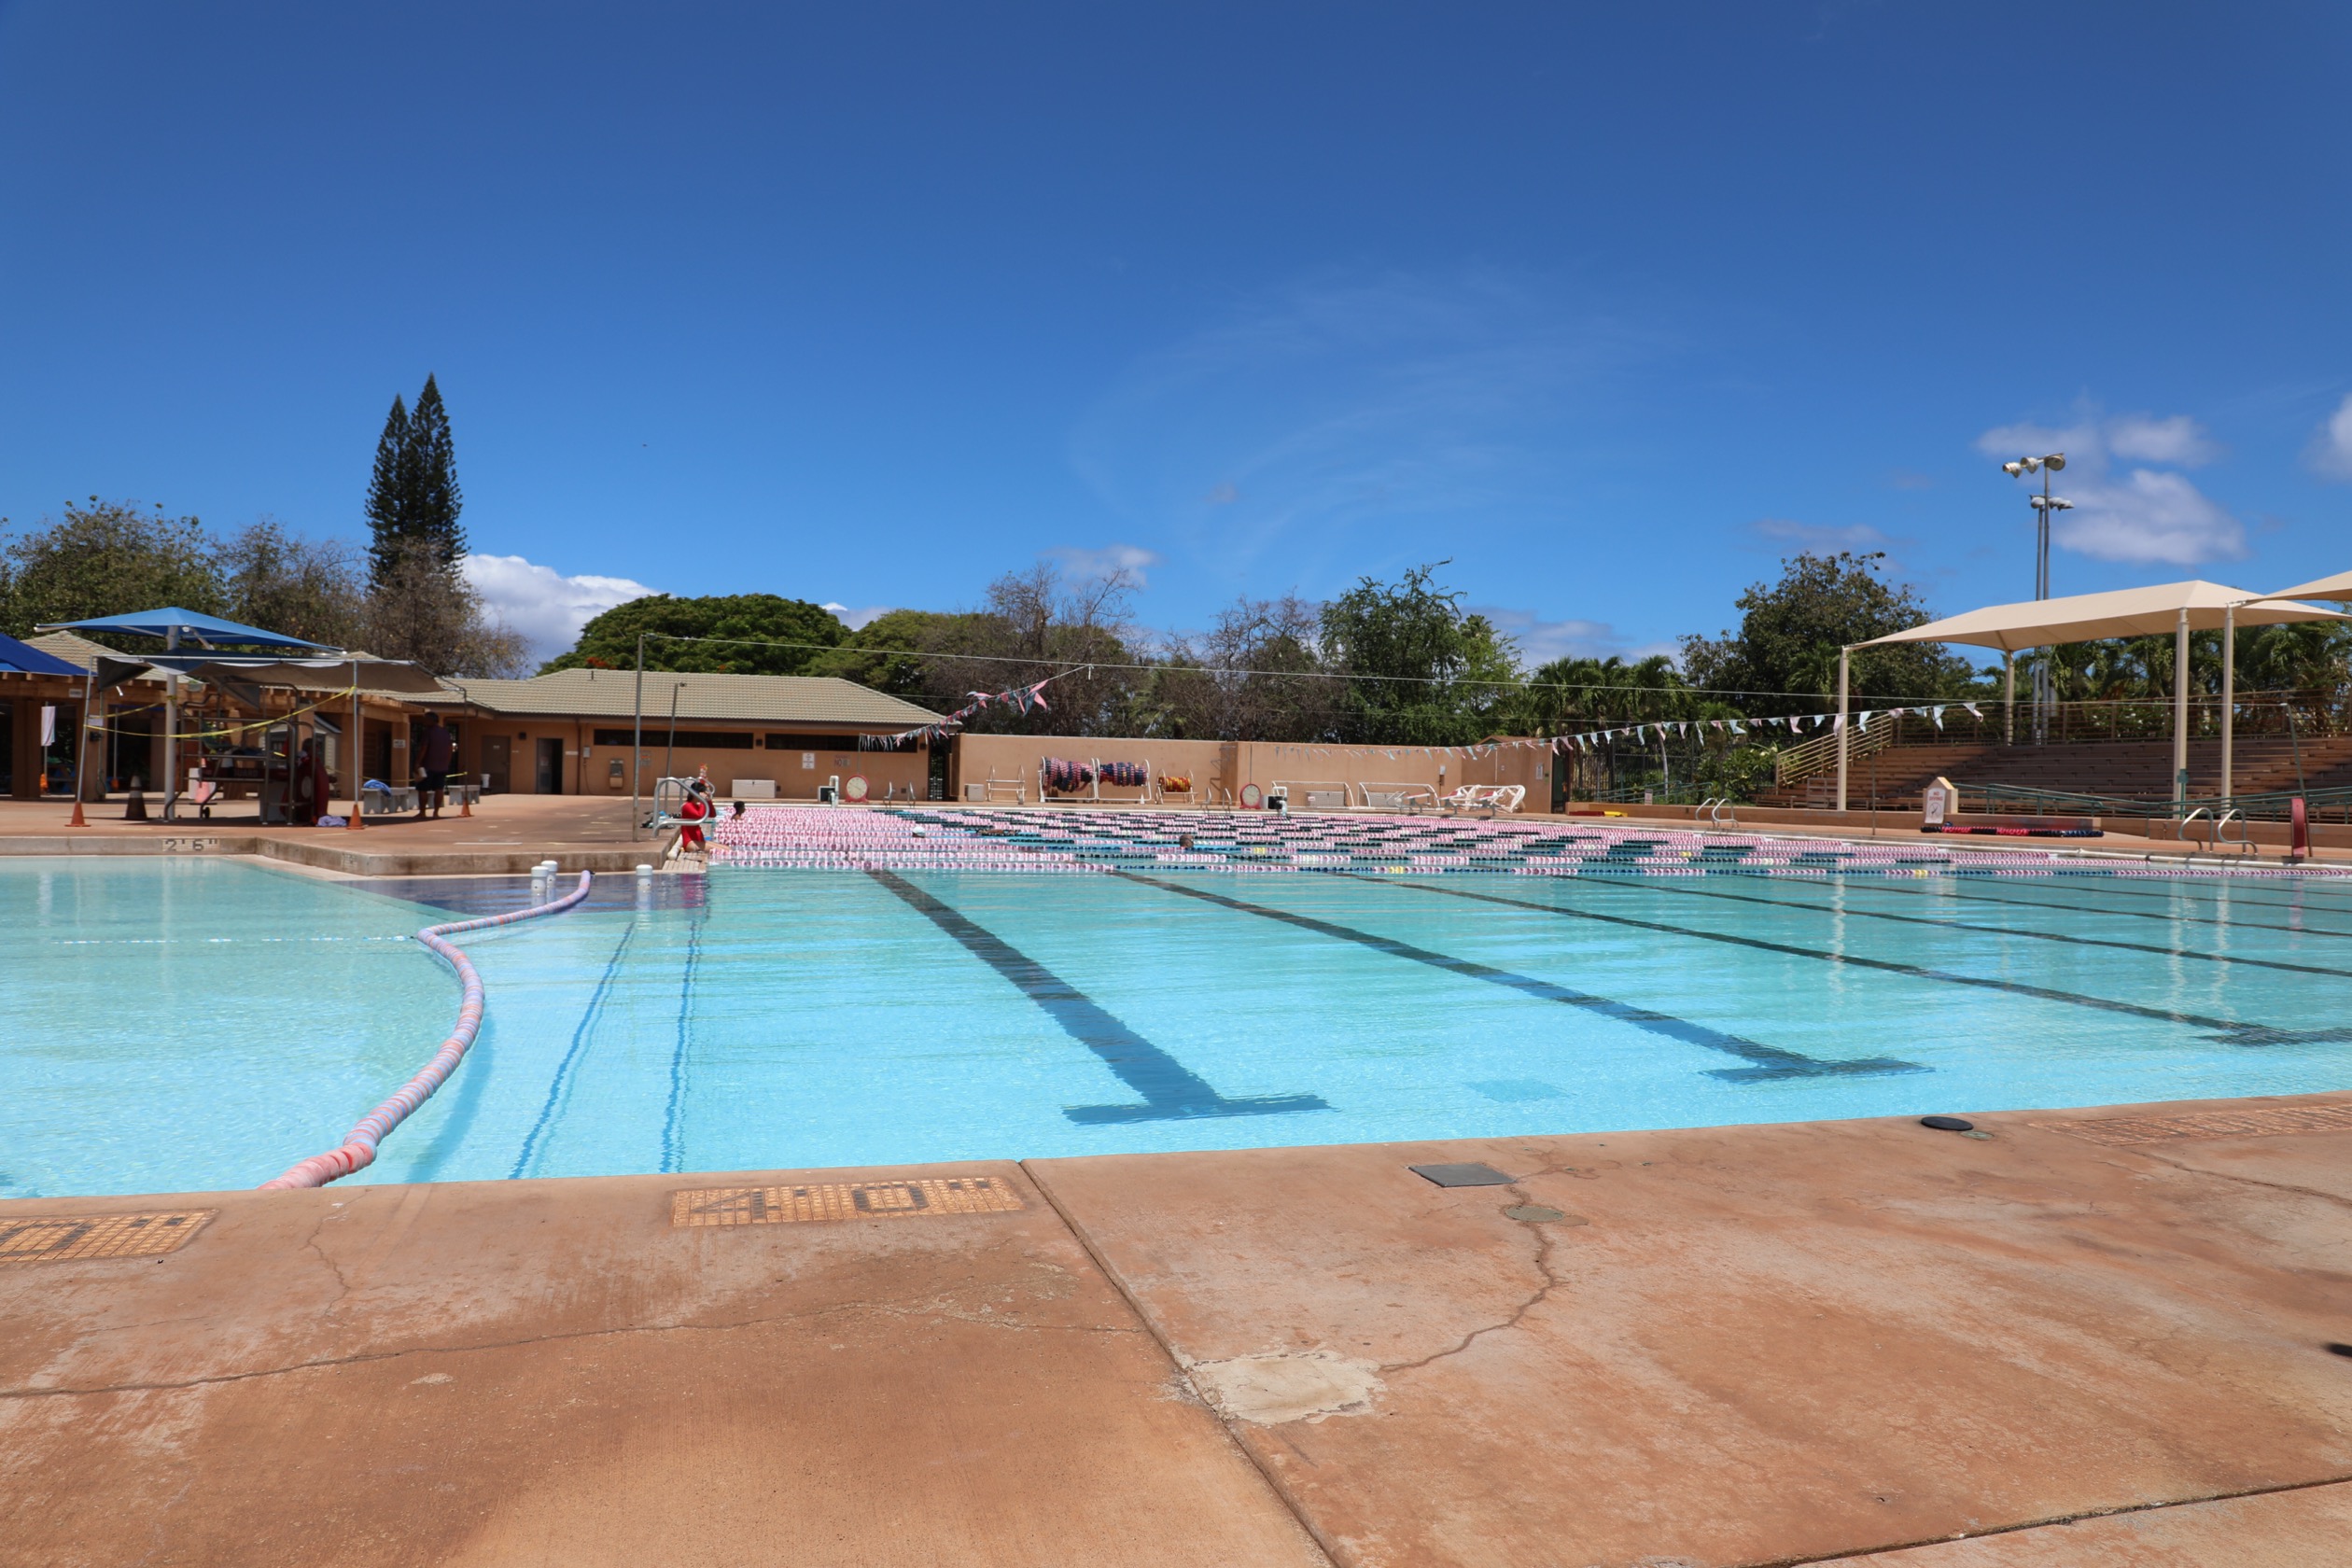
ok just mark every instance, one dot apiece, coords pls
pixel 2338 587
pixel 2121 613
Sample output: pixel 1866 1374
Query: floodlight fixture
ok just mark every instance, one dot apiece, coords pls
pixel 2045 506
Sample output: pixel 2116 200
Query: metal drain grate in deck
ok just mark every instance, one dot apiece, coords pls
pixel 67 1238
pixel 843 1200
pixel 2266 1123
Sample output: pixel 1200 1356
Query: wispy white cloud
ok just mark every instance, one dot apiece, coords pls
pixel 2148 517
pixel 2091 440
pixel 1105 561
pixel 2330 452
pixel 2179 442
pixel 1856 537
pixel 2144 515
pixel 1541 641
pixel 1348 413
pixel 545 605
pixel 858 620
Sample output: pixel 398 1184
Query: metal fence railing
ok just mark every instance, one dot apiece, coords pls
pixel 2273 806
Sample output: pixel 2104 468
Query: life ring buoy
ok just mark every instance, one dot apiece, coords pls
pixel 856 788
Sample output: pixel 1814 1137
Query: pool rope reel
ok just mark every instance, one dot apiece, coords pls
pixel 358 1147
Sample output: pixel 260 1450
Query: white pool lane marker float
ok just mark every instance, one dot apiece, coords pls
pixel 358 1148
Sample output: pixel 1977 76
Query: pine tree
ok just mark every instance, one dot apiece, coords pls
pixel 435 498
pixel 388 508
pixel 412 497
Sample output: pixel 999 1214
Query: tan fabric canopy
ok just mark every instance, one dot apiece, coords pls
pixel 2175 608
pixel 2338 587
pixel 2124 612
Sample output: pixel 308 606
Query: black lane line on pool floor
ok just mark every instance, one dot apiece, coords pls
pixel 2229 1031
pixel 1928 890
pixel 2000 930
pixel 582 1033
pixel 1170 1090
pixel 674 1113
pixel 2228 899
pixel 1771 1061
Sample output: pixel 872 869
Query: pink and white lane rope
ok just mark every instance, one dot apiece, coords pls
pixel 359 1144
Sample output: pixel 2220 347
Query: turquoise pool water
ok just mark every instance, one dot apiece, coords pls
pixel 183 1026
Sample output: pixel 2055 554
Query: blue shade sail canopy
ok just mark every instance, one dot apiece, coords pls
pixel 206 631
pixel 21 659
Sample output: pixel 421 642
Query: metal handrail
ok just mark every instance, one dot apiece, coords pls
pixel 1820 753
pixel 2256 807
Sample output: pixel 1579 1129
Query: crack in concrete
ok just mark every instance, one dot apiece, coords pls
pixel 365 1357
pixel 342 1285
pixel 2249 1180
pixel 1846 1553
pixel 1543 1245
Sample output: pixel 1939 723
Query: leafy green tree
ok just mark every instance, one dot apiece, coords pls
pixel 1422 670
pixel 1784 657
pixel 886 653
pixel 105 558
pixel 774 636
pixel 1573 695
pixel 305 588
pixel 1256 674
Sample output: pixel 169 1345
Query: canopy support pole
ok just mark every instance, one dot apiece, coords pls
pixel 81 743
pixel 2180 715
pixel 637 744
pixel 1845 663
pixel 2229 695
pixel 171 731
pixel 358 772
pixel 2009 697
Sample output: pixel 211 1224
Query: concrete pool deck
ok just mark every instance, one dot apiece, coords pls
pixel 1800 1343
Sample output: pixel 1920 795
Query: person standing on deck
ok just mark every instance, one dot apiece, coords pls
pixel 692 810
pixel 309 785
pixel 436 753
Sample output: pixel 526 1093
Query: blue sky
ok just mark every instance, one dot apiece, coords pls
pixel 867 304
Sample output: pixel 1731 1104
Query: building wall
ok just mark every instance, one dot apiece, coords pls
pixel 1226 768
pixel 599 767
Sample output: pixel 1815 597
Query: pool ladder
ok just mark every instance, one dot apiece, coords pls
pixel 1717 808
pixel 2217 829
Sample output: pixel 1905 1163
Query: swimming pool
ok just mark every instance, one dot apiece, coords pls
pixel 193 1025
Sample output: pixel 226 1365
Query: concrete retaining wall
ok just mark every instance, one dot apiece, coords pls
pixel 1224 770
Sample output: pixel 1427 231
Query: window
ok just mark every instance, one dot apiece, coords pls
pixel 657 733
pixel 812 742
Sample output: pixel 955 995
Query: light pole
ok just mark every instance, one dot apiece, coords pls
pixel 2044 505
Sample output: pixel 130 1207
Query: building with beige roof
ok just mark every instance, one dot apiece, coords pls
pixel 573 732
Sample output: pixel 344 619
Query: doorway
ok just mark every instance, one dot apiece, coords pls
pixel 551 768
pixel 496 764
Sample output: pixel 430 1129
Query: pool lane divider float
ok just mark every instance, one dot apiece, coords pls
pixel 358 1149
pixel 1078 841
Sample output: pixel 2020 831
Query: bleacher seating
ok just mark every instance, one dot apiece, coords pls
pixel 2125 770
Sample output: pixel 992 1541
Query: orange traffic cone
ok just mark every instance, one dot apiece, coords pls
pixel 75 821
